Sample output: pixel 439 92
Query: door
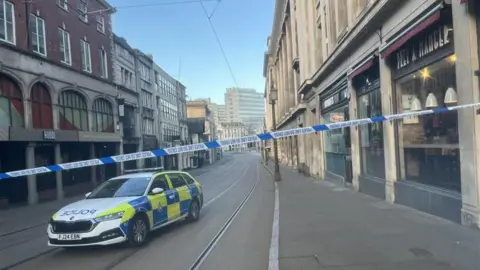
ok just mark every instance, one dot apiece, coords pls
pixel 160 201
pixel 183 192
pixel 192 186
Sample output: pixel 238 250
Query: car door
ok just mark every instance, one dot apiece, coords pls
pixel 192 185
pixel 183 192
pixel 160 201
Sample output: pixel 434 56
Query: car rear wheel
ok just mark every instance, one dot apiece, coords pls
pixel 194 211
pixel 138 231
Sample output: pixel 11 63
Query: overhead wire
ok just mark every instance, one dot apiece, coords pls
pixel 219 42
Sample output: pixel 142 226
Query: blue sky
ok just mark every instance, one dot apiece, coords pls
pixel 181 31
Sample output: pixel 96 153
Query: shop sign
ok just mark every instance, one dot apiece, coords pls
pixel 423 46
pixel 49 135
pixel 336 98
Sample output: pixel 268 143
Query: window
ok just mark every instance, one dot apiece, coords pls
pixel 188 179
pixel 73 111
pixel 371 135
pixel 145 73
pixel 42 115
pixel 103 116
pixel 176 180
pixel 65 48
pixel 159 182
pixel 82 10
pixel 63 4
pixel 429 145
pixel 100 23
pixel 103 63
pixel 86 57
pixel 37 30
pixel 147 126
pixel 7 22
pixel 11 103
pixel 337 144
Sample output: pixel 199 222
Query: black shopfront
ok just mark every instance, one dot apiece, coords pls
pixel 334 108
pixel 428 154
pixel 366 83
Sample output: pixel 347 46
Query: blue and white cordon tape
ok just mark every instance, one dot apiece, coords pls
pixel 221 143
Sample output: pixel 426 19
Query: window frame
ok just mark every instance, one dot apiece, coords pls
pixel 64 106
pixel 39 105
pixel 65 36
pixel 37 20
pixel 11 7
pixel 63 4
pixel 82 9
pixel 100 23
pixel 103 108
pixel 86 45
pixel 179 176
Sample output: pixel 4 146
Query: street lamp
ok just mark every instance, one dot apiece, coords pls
pixel 273 99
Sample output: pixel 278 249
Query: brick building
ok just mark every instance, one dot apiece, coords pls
pixel 58 102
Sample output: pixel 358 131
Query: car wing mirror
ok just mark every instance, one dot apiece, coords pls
pixel 157 190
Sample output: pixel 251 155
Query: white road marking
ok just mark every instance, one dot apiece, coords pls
pixel 273 254
pixel 226 190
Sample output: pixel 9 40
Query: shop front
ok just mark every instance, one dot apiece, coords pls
pixel 366 85
pixel 428 152
pixel 334 108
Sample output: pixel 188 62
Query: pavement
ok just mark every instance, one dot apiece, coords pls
pixel 325 226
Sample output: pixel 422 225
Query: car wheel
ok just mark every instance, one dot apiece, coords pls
pixel 137 231
pixel 193 211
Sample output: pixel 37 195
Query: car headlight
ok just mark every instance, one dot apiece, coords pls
pixel 112 216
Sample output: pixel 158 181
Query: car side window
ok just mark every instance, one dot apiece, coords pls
pixel 188 179
pixel 177 180
pixel 159 182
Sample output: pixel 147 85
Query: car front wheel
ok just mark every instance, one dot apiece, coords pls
pixel 137 231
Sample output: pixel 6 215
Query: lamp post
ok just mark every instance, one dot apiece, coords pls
pixel 273 99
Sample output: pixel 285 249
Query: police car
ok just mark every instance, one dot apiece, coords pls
pixel 126 209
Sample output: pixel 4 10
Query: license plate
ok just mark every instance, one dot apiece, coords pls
pixel 67 237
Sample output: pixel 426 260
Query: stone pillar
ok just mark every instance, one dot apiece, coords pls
pixel 355 138
pixel 389 147
pixel 140 162
pixel 58 175
pixel 321 148
pixel 31 179
pixel 466 49
pixel 93 168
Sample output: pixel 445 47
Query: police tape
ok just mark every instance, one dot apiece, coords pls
pixel 222 143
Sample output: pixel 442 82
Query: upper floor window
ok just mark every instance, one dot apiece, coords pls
pixel 103 116
pixel 65 48
pixel 63 4
pixel 145 72
pixel 82 10
pixel 101 23
pixel 38 40
pixel 103 63
pixel 42 116
pixel 73 112
pixel 11 103
pixel 7 22
pixel 86 56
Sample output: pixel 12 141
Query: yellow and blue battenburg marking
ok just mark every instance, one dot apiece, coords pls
pixel 226 142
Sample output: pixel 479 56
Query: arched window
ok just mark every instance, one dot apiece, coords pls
pixel 42 116
pixel 11 103
pixel 103 116
pixel 73 111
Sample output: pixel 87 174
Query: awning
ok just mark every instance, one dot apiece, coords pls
pixel 428 19
pixel 361 67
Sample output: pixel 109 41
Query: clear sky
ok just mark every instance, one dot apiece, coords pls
pixel 180 33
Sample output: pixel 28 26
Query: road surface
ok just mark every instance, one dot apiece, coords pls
pixel 240 186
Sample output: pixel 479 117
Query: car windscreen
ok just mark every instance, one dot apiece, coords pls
pixel 125 187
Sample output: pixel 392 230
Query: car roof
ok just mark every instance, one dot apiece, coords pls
pixel 144 174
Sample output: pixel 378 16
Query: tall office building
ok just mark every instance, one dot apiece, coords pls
pixel 246 106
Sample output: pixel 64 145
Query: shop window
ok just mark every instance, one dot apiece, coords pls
pixel 429 145
pixel 103 116
pixel 42 116
pixel 11 103
pixel 73 111
pixel 371 136
pixel 337 144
